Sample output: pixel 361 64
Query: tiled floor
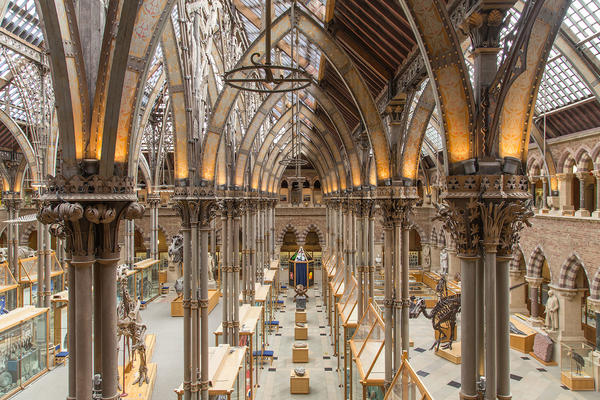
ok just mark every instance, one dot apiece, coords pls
pixel 275 382
pixel 530 380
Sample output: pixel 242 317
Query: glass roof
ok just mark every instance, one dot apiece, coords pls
pixel 22 20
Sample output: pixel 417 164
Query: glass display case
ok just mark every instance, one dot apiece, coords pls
pixel 23 348
pixel 28 279
pixel 367 370
pixel 227 373
pixel 146 279
pixel 252 337
pixel 58 320
pixel 8 289
pixel 576 365
pixel 406 385
pixel 346 323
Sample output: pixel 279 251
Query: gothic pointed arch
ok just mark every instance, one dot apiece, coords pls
pixel 337 58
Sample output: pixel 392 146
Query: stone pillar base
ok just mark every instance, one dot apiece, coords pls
pixel 500 397
pixel 596 214
pixel 567 211
pixel 544 211
pixel 464 396
pixel 582 213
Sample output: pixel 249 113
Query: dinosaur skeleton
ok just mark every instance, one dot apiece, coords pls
pixel 129 326
pixel 442 315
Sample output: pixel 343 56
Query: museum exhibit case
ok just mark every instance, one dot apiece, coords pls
pixel 147 286
pixel 227 371
pixel 301 269
pixel 59 328
pixel 346 322
pixel 367 369
pixel 406 384
pixel 23 348
pixel 8 289
pixel 577 365
pixel 252 337
pixel 336 289
pixel 28 279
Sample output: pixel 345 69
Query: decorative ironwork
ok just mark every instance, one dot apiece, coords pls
pixel 268 74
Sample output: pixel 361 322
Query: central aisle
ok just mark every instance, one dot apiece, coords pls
pixel 275 380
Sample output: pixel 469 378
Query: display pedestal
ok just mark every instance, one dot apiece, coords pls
pixel 300 317
pixel 137 391
pixel 300 355
pixel 301 333
pixel 177 307
pixel 453 355
pixel 522 343
pixel 299 384
pixel 576 382
pixel 547 364
pixel 446 330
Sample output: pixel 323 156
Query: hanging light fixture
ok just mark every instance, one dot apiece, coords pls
pixel 264 78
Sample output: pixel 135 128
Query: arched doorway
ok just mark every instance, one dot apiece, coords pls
pixel 312 246
pixel 414 249
pixel 289 245
pixel 141 252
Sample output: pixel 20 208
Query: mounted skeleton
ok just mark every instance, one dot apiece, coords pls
pixel 442 315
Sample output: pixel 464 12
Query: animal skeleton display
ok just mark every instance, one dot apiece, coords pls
pixel 442 315
pixel 176 249
pixel 129 326
pixel 579 360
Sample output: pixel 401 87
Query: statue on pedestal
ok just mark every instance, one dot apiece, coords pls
pixel 444 261
pixel 552 312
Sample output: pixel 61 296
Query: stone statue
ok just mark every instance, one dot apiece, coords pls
pixel 176 249
pixel 552 311
pixel 444 261
pixel 426 258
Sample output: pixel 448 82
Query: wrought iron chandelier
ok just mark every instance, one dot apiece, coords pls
pixel 267 77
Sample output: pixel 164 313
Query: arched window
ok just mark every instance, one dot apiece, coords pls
pixel 317 185
pixel 284 185
pixel 305 184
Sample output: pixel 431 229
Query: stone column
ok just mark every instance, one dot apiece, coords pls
pixel 357 253
pixel 107 263
pixel 565 186
pixel 186 301
pixel 224 275
pixel 371 249
pixel 207 212
pixel 404 293
pixel 584 177
pixel 388 302
pixel 502 328
pixel 195 386
pixel 534 283
pixel 435 256
pixel 244 251
pixel 252 241
pixel 90 224
pixel 396 204
pixel 544 209
pixel 347 235
pixel 453 263
pixel 153 201
pixel 469 374
pixel 236 273
pixel 596 213
pixel 41 264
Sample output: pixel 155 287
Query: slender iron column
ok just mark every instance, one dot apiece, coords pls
pixel 72 323
pixel 244 251
pixel 207 208
pixel 47 266
pixel 230 277
pixel 357 254
pixel 364 250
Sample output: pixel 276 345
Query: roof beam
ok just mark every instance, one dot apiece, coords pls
pixel 21 47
